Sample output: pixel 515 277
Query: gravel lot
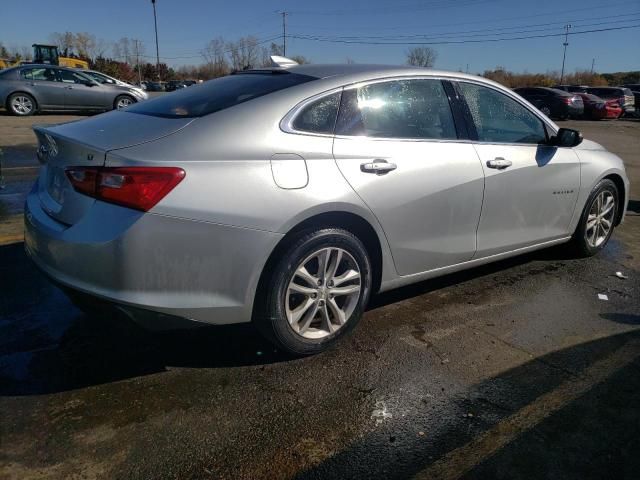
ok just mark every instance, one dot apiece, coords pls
pixel 513 370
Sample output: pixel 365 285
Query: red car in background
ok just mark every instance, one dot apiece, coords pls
pixel 596 108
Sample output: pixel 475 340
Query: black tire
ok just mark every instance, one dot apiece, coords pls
pixel 271 318
pixel 579 244
pixel 546 110
pixel 123 98
pixel 14 100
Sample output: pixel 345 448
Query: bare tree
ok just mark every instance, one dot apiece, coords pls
pixel 214 56
pixel 124 50
pixel 244 53
pixel 301 59
pixel 85 43
pixel 65 42
pixel 421 56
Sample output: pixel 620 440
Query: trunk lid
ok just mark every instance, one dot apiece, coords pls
pixel 86 143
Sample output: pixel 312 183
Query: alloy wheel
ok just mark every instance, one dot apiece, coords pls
pixel 123 102
pixel 21 105
pixel 600 218
pixel 323 293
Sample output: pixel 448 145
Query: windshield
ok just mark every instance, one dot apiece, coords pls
pixel 218 94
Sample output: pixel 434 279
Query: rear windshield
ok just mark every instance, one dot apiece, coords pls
pixel 218 94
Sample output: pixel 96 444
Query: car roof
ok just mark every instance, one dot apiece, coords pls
pixel 342 74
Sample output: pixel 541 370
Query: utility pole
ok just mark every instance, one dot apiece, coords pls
pixel 138 62
pixel 593 63
pixel 284 33
pixel 155 22
pixel 564 55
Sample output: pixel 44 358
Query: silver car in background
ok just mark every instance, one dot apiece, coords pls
pixel 105 79
pixel 30 88
pixel 287 196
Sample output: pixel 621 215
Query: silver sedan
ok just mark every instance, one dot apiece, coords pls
pixel 287 196
pixel 31 88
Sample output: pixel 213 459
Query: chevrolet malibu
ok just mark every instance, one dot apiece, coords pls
pixel 287 196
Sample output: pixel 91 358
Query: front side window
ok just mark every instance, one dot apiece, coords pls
pixel 501 119
pixel 67 76
pixel 44 74
pixel 319 116
pixel 416 109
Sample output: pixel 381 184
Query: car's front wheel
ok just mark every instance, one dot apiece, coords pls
pixel 316 292
pixel 598 219
pixel 21 104
pixel 123 101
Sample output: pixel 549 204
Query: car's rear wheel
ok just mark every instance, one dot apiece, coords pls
pixel 598 219
pixel 317 291
pixel 546 110
pixel 123 101
pixel 22 104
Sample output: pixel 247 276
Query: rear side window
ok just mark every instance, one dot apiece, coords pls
pixel 499 118
pixel 417 109
pixel 39 73
pixel 319 116
pixel 218 94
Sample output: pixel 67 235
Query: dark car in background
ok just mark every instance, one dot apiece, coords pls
pixel 153 86
pixel 30 88
pixel 552 102
pixel 178 84
pixel 571 88
pixel 624 96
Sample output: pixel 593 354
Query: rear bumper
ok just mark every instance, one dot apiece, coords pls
pixel 182 268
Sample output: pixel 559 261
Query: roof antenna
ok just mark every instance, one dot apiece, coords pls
pixel 283 62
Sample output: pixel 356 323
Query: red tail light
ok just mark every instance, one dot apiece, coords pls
pixel 135 187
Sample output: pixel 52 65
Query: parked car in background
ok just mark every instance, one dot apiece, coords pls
pixel 31 88
pixel 634 87
pixel 571 88
pixel 106 79
pixel 553 103
pixel 622 95
pixel 153 86
pixel 596 108
pixel 337 201
pixel 173 85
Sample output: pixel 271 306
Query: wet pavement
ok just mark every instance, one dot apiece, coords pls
pixel 513 370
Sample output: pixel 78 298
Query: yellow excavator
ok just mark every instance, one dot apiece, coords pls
pixel 47 54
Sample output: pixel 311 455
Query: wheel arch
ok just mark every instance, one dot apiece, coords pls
pixel 349 221
pixel 619 182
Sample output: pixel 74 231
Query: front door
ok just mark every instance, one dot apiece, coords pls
pixel 531 188
pixel 81 92
pixel 396 144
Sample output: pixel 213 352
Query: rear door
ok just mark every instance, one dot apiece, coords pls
pixel 397 145
pixel 80 93
pixel 531 188
pixel 45 83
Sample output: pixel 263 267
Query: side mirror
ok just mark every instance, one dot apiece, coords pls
pixel 567 137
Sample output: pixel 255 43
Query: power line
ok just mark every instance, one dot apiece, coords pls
pixel 478 33
pixel 453 42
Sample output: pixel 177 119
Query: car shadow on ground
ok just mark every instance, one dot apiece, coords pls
pixel 47 345
pixel 570 414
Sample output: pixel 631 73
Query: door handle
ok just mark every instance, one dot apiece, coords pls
pixel 499 163
pixel 69 87
pixel 378 166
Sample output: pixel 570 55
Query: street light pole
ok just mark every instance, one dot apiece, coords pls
pixel 155 22
pixel 564 55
